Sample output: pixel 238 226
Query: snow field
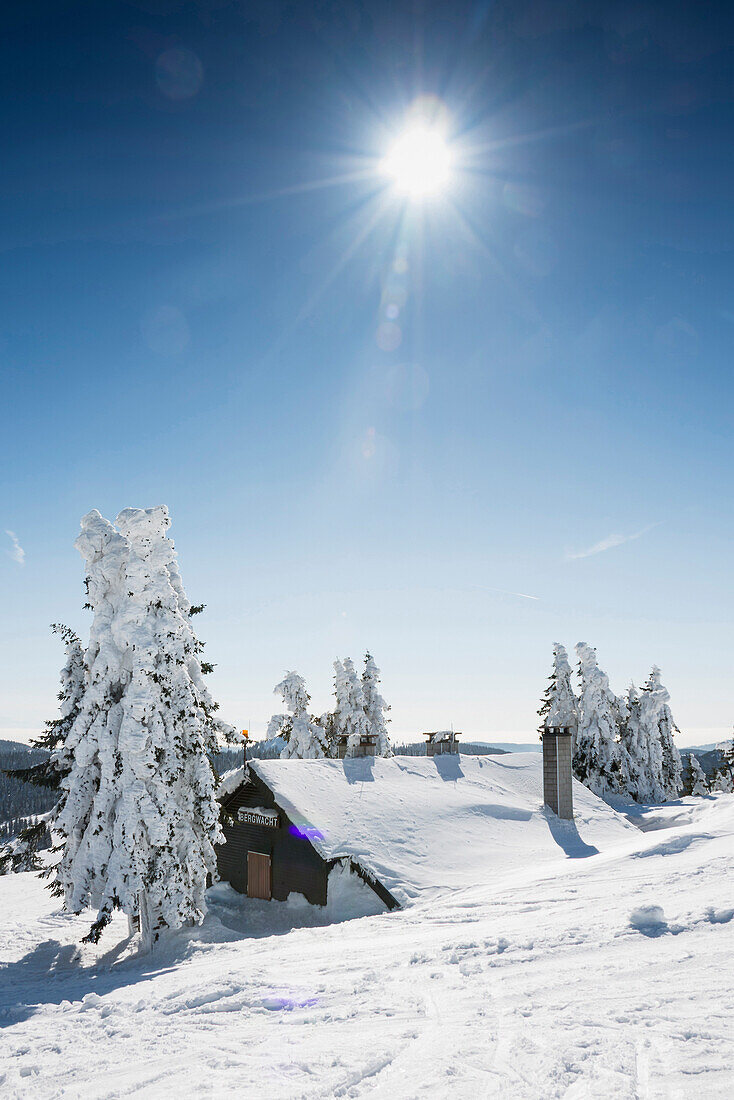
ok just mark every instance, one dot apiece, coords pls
pixel 542 983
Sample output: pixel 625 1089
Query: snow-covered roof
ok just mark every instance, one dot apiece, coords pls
pixel 229 782
pixel 422 824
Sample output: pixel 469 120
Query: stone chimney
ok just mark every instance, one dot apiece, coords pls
pixel 557 786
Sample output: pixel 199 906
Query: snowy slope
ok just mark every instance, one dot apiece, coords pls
pixel 423 824
pixel 601 977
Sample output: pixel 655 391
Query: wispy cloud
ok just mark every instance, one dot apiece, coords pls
pixel 17 553
pixel 608 543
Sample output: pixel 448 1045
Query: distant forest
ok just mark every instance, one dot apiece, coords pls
pixel 17 799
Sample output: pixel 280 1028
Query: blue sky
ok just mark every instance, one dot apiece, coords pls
pixel 198 251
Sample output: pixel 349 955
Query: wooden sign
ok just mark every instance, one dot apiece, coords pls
pixel 267 818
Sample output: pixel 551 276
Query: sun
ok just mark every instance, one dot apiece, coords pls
pixel 419 162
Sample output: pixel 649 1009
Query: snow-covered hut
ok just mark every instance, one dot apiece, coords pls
pixel 365 746
pixel 441 741
pixel 408 826
pixel 271 849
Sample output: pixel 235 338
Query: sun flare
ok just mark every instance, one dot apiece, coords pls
pixel 419 162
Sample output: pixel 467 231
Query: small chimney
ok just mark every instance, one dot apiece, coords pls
pixel 557 786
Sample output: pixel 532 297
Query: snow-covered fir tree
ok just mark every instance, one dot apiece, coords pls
pixel 350 719
pixel 729 757
pixel 723 781
pixel 375 706
pixel 700 783
pixel 139 818
pixel 48 773
pixel 560 705
pixel 327 722
pixel 724 778
pixel 633 751
pixel 671 754
pixel 693 777
pixel 22 853
pixel 292 690
pixel 95 730
pixel 663 771
pixel 596 758
pixel 280 725
pixel 304 738
pixel 307 740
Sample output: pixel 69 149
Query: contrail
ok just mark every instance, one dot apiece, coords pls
pixel 504 592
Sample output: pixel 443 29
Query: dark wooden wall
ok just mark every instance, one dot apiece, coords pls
pixel 296 865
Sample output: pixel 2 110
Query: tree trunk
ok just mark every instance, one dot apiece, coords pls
pixel 146 930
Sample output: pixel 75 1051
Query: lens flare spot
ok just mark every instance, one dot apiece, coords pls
pixel 178 73
pixel 305 831
pixel 389 336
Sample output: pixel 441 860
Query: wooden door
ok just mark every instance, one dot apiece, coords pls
pixel 258 876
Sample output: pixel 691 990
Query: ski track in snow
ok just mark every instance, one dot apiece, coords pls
pixel 604 977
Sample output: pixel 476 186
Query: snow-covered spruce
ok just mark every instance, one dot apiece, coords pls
pixel 663 771
pixel 307 740
pixel 699 782
pixel 724 779
pixel 724 782
pixel 304 738
pixel 560 705
pixel 278 726
pixel 596 758
pixel 53 737
pixel 21 854
pixel 139 818
pixel 375 707
pixel 91 743
pixel 327 722
pixel 350 719
pixel 633 749
pixel 693 777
